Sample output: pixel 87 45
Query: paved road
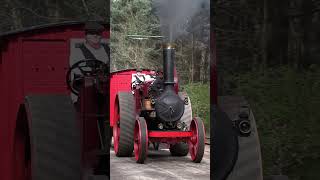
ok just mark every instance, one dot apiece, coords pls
pixel 160 165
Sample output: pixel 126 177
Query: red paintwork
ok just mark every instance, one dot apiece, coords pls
pixel 169 134
pixel 116 129
pixel 120 81
pixel 32 61
pixel 169 137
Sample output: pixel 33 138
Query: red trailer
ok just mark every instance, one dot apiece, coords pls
pixel 33 67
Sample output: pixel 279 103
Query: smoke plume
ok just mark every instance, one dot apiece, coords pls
pixel 175 15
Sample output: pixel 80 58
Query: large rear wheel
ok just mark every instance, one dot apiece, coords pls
pixel 123 128
pixel 22 156
pixel 54 138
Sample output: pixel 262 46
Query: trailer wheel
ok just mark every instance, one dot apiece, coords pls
pixel 140 140
pixel 124 126
pixel 196 142
pixel 55 144
pixel 179 149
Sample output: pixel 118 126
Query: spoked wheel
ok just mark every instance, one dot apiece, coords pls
pixel 196 142
pixel 140 140
pixel 124 115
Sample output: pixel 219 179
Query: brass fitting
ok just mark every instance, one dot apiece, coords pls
pixel 147 104
pixel 169 46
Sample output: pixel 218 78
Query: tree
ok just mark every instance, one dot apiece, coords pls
pixel 17 14
pixel 133 18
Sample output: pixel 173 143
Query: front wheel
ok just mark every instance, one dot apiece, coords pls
pixel 196 142
pixel 140 140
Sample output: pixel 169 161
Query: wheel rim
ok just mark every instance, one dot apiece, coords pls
pixel 116 129
pixel 137 140
pixel 140 136
pixel 193 142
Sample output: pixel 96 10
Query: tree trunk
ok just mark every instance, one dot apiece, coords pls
pixel 306 22
pixel 192 59
pixel 264 35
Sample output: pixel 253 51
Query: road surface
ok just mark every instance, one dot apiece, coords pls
pixel 160 165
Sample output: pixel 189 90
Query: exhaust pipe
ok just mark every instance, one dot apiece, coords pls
pixel 168 64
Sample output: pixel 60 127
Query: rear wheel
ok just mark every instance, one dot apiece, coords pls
pixel 123 128
pixel 140 140
pixel 179 149
pixel 156 145
pixel 54 138
pixel 22 161
pixel 196 142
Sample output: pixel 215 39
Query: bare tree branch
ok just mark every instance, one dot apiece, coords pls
pixel 38 15
pixel 85 7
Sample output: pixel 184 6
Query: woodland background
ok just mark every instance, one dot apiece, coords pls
pixel 267 51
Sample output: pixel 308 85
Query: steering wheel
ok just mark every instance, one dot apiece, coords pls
pixel 85 67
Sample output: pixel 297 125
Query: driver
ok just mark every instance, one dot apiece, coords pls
pixel 92 48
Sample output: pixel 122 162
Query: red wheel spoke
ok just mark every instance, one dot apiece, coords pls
pixel 196 142
pixel 140 140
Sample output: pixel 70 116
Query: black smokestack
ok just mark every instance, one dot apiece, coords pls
pixel 168 64
pixel 169 106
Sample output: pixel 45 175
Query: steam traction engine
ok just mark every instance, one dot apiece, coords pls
pixel 150 109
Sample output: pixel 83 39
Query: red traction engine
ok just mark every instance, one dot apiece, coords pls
pixel 151 110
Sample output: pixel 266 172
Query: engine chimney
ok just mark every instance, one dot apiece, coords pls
pixel 168 64
pixel 169 106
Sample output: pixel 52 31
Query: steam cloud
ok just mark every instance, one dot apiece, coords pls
pixel 175 15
